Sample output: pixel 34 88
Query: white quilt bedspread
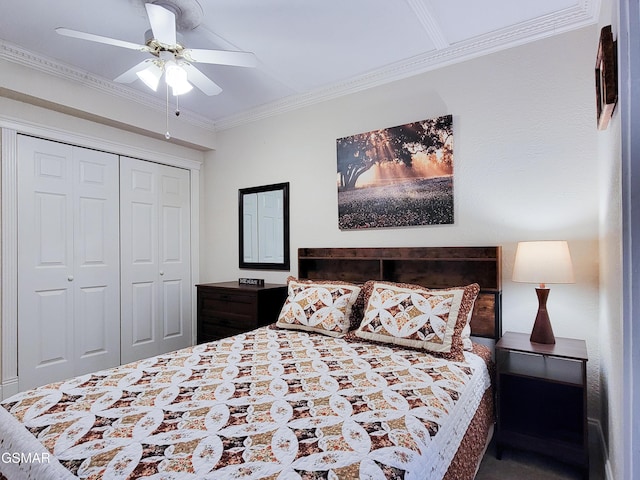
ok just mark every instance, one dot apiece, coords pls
pixel 268 404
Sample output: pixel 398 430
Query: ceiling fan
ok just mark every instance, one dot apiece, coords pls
pixel 169 57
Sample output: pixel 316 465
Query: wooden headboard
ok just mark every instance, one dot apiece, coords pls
pixel 431 267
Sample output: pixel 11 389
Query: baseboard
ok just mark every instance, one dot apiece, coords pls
pixel 9 388
pixel 596 433
pixel 607 470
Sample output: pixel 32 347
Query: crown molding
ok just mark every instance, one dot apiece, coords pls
pixel 584 14
pixel 564 21
pixel 18 55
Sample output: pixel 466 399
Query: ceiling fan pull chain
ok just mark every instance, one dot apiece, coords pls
pixel 167 135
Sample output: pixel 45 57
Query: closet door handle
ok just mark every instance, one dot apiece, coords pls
pixel 70 278
pixel 161 272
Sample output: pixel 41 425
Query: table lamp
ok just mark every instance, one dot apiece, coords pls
pixel 543 262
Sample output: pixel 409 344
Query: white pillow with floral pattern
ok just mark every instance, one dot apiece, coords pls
pixel 323 307
pixel 417 317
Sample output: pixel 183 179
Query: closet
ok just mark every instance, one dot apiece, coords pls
pixel 103 260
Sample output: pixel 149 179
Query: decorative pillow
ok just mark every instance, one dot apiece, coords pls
pixel 323 306
pixel 417 317
pixel 465 335
pixel 467 344
pixel 357 310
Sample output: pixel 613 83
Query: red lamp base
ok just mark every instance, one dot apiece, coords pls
pixel 542 331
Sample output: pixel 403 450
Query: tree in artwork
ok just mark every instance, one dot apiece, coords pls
pixel 398 176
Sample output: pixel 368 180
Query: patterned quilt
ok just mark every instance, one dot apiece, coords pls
pixel 268 404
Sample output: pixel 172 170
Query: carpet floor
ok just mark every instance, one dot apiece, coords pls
pixel 519 465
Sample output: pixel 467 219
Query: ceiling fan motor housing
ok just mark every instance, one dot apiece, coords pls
pixel 156 47
pixel 188 13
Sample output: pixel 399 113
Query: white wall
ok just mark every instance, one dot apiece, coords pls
pixel 23 116
pixel 611 288
pixel 611 281
pixel 526 168
pixel 81 94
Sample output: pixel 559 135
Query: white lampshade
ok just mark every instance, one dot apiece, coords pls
pixel 176 78
pixel 151 76
pixel 543 262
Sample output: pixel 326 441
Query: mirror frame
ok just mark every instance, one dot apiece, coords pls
pixel 286 264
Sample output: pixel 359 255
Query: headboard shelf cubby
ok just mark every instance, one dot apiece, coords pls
pixel 431 267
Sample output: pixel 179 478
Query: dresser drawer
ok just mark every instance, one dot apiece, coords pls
pixel 222 295
pixel 209 332
pixel 229 320
pixel 217 303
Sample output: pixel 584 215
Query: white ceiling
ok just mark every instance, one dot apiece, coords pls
pixel 307 50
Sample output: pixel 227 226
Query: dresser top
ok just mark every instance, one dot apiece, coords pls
pixel 235 285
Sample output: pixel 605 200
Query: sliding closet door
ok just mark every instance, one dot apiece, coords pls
pixel 68 261
pixel 155 259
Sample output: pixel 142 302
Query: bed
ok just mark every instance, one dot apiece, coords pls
pixel 316 395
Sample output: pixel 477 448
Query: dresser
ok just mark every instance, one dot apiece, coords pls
pixel 228 308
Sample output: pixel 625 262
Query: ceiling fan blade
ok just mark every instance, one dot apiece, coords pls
pixel 131 74
pixel 200 80
pixel 221 57
pixel 163 23
pixel 100 39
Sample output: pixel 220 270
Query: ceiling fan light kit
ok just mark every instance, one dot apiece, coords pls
pixel 151 75
pixel 176 78
pixel 171 58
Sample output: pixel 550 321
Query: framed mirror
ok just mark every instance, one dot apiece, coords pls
pixel 264 227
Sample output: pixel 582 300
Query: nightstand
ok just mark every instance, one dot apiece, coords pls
pixel 228 308
pixel 542 398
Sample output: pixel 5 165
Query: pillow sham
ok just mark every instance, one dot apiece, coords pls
pixel 418 317
pixel 465 335
pixel 319 306
pixel 357 310
pixel 467 343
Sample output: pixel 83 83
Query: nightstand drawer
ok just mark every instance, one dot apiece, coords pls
pixel 550 368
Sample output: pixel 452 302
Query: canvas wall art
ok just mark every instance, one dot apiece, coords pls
pixel 397 177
